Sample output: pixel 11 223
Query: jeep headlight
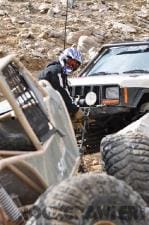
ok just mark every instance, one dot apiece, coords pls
pixel 91 98
pixel 112 93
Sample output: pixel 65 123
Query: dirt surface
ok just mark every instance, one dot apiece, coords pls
pixel 34 30
pixel 92 162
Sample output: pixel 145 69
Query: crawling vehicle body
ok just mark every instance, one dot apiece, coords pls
pixel 116 82
pixel 37 142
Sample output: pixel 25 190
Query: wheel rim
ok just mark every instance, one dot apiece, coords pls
pixel 105 222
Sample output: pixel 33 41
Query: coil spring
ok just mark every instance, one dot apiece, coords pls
pixel 9 206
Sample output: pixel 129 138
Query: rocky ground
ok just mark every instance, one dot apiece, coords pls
pixel 35 30
pixel 92 163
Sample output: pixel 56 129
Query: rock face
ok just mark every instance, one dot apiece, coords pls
pixel 35 30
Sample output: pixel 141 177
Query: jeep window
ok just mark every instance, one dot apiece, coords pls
pixel 131 59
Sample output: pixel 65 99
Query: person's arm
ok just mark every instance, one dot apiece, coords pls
pixel 51 74
pixel 72 108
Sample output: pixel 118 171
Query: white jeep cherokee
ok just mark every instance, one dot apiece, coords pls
pixel 116 85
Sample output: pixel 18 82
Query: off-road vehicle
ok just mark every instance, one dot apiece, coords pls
pixel 116 84
pixel 38 150
pixel 37 142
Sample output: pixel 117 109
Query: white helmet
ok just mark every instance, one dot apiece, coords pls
pixel 70 53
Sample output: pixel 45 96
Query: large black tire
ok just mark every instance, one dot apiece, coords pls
pixel 90 199
pixel 126 156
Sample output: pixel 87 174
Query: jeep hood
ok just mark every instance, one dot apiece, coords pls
pixel 129 80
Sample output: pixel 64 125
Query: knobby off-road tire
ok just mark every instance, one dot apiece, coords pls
pixel 126 156
pixel 90 199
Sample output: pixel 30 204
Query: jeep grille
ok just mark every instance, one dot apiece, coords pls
pixel 81 92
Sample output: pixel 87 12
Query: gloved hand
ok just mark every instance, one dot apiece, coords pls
pixel 79 115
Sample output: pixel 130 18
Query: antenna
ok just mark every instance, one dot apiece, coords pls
pixel 69 3
pixel 65 34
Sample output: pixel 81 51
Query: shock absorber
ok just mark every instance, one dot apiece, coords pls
pixel 10 207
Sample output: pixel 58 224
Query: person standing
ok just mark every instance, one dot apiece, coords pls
pixel 56 74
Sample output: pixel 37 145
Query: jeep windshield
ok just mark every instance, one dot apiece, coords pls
pixel 118 60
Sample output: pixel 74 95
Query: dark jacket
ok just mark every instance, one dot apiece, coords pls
pixel 54 74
